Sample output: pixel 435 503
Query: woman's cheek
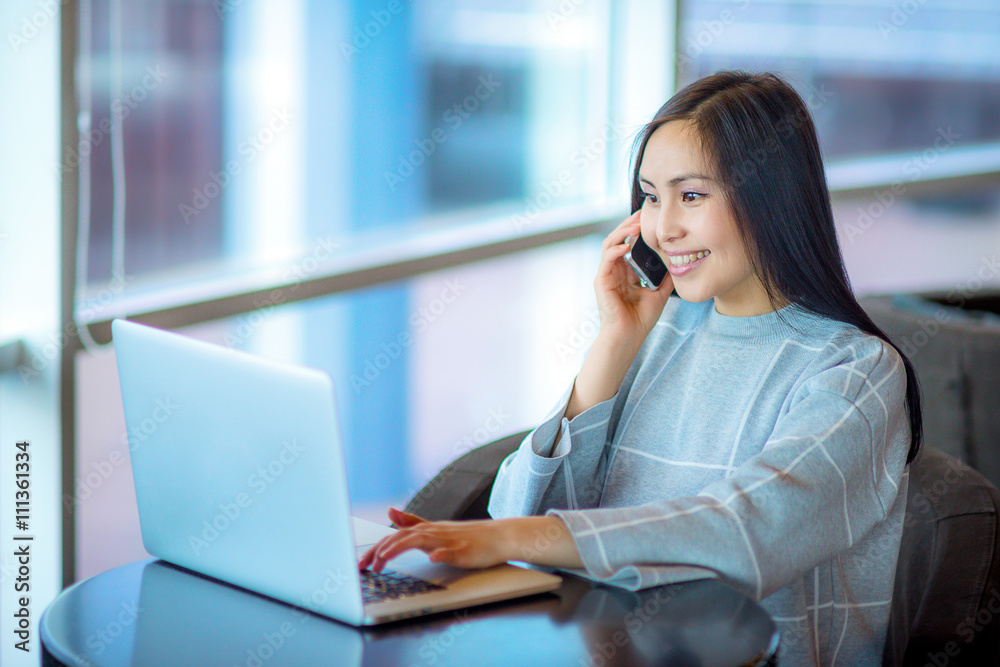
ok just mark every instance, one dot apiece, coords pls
pixel 647 224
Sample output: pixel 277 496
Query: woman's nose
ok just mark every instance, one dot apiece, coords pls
pixel 667 227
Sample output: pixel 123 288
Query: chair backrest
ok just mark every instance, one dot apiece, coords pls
pixel 955 353
pixel 462 489
pixel 946 600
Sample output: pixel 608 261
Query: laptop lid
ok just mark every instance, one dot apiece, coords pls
pixel 239 473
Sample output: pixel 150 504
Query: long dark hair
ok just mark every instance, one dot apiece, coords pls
pixel 758 134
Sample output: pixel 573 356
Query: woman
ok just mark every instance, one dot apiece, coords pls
pixel 756 429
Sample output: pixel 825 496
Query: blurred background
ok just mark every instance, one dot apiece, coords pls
pixel 411 196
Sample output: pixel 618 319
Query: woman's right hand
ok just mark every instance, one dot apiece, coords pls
pixel 627 310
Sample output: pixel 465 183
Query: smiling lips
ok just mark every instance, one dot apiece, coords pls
pixel 678 265
pixel 681 260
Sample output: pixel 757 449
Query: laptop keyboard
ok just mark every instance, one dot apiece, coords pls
pixel 389 585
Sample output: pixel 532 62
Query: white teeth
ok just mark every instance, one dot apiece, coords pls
pixel 681 260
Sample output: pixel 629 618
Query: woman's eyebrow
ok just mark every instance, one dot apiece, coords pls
pixel 678 179
pixel 688 177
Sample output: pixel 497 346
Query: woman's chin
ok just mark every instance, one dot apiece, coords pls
pixel 691 296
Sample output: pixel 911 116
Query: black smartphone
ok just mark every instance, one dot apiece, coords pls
pixel 646 263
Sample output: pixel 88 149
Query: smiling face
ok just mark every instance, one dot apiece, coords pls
pixel 685 215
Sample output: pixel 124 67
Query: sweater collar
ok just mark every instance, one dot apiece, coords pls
pixel 790 321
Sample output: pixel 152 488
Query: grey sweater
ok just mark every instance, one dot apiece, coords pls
pixel 768 451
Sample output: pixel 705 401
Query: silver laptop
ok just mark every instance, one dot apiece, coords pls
pixel 239 474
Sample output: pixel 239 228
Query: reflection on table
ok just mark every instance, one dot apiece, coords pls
pixel 153 613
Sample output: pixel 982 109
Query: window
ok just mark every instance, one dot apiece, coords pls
pixel 881 77
pixel 237 150
pixel 231 135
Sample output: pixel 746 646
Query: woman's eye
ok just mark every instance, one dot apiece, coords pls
pixel 689 197
pixel 650 196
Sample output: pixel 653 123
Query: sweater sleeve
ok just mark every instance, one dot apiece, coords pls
pixel 827 474
pixel 536 477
